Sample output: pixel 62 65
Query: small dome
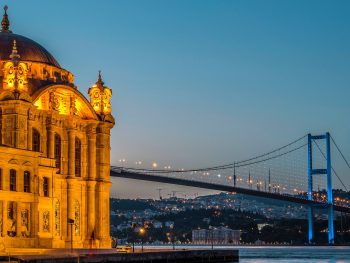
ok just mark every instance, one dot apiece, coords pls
pixel 28 49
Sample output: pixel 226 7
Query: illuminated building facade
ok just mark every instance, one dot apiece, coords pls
pixel 217 236
pixel 54 151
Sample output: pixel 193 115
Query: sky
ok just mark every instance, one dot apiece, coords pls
pixel 198 83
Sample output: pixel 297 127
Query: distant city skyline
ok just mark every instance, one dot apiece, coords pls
pixel 202 83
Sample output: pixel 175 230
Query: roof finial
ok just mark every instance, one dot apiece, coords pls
pixel 14 55
pixel 5 21
pixel 99 82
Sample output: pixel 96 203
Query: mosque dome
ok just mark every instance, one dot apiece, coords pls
pixel 29 49
pixel 36 67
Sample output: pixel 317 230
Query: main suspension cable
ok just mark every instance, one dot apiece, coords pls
pixel 215 167
pixel 268 153
pixel 225 166
pixel 340 151
pixel 273 157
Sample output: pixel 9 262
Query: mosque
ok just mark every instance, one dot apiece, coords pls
pixel 54 151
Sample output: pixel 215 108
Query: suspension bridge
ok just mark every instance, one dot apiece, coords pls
pixel 298 172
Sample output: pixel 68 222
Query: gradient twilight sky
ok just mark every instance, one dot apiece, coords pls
pixel 199 83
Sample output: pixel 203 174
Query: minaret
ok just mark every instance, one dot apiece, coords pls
pixel 100 100
pixel 5 23
pixel 100 97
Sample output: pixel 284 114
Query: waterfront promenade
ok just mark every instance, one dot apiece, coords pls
pixel 111 255
pixel 247 254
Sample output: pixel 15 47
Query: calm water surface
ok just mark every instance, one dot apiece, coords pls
pixel 286 254
pixel 294 254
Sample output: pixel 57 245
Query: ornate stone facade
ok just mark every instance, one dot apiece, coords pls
pixel 54 151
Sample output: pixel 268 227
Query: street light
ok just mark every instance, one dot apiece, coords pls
pixel 133 237
pixel 211 229
pixel 71 223
pixel 142 231
pixel 172 236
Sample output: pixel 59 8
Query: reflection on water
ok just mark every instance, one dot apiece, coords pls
pixel 293 261
pixel 284 254
pixel 294 254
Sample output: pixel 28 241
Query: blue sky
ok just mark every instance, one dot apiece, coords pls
pixel 200 83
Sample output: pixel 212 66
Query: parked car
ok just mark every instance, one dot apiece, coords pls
pixel 124 249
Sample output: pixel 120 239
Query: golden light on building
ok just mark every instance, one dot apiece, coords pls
pixel 100 97
pixel 54 153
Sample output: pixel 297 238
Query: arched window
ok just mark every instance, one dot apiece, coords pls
pixel 13 180
pixel 46 186
pixel 58 152
pixel 35 140
pixel 26 182
pixel 77 157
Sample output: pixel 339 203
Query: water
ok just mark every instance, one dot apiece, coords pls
pixel 294 254
pixel 277 254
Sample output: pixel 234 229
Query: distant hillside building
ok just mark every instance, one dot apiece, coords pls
pixel 218 236
pixel 157 224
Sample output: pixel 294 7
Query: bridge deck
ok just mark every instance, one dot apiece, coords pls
pixel 225 188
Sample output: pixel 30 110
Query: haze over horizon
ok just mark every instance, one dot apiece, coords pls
pixel 203 83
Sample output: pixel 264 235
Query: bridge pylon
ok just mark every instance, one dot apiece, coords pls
pixel 328 173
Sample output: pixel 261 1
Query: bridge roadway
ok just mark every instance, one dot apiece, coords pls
pixel 118 172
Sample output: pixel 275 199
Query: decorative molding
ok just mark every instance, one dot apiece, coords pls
pixel 27 163
pixel 13 161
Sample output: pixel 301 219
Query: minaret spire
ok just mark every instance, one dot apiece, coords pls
pixel 5 23
pixel 99 82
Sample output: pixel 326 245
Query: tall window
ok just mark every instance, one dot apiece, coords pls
pixel 35 140
pixel 26 182
pixel 46 186
pixel 77 157
pixel 13 180
pixel 10 211
pixel 58 152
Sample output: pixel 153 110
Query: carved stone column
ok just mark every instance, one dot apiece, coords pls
pixel 91 208
pixel 32 222
pixel 29 136
pixel 70 207
pixel 104 184
pixel 102 215
pixel 92 152
pixel 103 152
pixel 18 218
pixel 84 160
pixel 51 143
pixel 65 156
pixel 4 218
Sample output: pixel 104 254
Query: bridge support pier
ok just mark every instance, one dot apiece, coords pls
pixel 328 172
pixel 310 222
pixel 330 225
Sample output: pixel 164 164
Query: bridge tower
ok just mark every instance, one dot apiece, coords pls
pixel 328 173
